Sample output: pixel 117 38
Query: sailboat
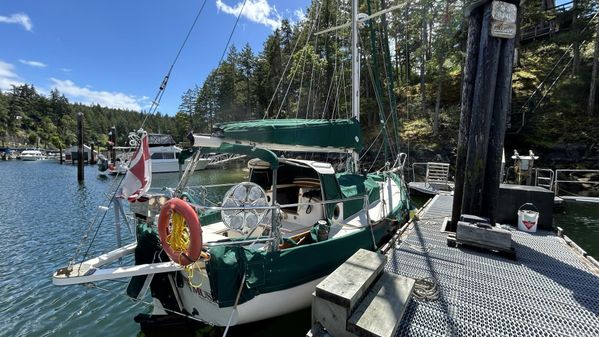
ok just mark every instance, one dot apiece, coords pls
pixel 261 251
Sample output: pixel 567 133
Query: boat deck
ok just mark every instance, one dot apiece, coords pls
pixel 549 290
pixel 423 188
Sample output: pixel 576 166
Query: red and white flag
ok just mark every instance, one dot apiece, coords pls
pixel 138 179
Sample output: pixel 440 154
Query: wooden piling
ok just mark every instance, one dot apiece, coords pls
pixel 474 22
pixel 480 119
pixel 92 158
pixel 486 90
pixel 80 174
pixel 502 104
pixel 112 139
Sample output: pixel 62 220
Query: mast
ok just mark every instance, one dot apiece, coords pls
pixel 355 88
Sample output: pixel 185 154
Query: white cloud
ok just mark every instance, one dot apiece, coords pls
pixel 84 95
pixel 8 77
pixel 20 19
pixel 299 14
pixel 66 70
pixel 259 11
pixel 36 64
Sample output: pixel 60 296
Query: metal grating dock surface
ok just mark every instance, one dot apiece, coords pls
pixel 548 291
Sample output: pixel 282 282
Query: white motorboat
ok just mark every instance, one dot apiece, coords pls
pixel 166 159
pixel 163 153
pixel 32 155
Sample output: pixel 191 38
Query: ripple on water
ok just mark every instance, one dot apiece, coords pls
pixel 44 213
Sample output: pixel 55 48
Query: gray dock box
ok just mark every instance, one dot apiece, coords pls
pixel 511 197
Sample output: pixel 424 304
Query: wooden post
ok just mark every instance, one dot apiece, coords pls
pixel 112 139
pixel 80 174
pixel 474 21
pixel 502 105
pixel 592 89
pixel 480 119
pixel 486 89
pixel 92 159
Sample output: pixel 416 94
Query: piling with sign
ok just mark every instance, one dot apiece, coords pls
pixel 486 99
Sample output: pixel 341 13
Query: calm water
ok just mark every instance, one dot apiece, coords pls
pixel 43 215
pixel 580 222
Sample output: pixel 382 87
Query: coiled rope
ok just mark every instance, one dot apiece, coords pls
pixel 178 239
pixel 426 289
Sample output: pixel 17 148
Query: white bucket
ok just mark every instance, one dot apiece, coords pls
pixel 528 219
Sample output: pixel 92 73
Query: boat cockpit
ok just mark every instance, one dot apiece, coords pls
pixel 298 191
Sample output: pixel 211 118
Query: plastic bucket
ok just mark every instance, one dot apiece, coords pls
pixel 528 218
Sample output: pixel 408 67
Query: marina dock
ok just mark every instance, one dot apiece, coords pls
pixel 550 289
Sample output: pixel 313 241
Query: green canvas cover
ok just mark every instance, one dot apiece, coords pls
pixel 186 153
pixel 250 151
pixel 331 192
pixel 273 271
pixel 353 185
pixel 336 133
pixel 359 185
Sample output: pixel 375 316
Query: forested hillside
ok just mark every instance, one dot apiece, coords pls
pixel 303 74
pixel 28 118
pixel 411 64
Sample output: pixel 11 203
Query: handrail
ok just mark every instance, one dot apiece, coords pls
pixel 566 171
pixel 551 178
pixel 322 202
pixel 444 170
pixel 238 242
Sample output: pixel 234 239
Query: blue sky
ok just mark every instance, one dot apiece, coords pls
pixel 115 53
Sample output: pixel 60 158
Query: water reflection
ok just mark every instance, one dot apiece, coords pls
pixel 580 222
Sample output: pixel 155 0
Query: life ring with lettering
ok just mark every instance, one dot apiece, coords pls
pixel 181 246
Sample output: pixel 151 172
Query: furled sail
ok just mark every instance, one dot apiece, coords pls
pixel 311 135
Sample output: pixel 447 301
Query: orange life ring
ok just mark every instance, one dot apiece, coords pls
pixel 195 231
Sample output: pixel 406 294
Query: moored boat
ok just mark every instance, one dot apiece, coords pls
pixel 32 155
pixel 274 237
pixel 260 251
pixel 164 153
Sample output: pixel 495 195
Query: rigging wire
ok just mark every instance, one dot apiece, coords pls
pixel 161 89
pixel 152 110
pixel 296 69
pixel 283 75
pixel 326 103
pixel 299 94
pixel 378 99
pixel 231 34
pixel 312 74
pixel 335 74
pixel 388 69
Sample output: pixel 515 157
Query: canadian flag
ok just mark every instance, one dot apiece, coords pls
pixel 138 179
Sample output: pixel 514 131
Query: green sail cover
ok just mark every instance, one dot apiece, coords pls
pixel 335 133
pixel 247 150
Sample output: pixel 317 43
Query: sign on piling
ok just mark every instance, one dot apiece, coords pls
pixel 503 20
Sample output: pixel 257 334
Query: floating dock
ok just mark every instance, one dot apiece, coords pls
pixel 551 289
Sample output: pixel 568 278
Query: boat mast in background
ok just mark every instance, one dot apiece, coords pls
pixel 355 57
